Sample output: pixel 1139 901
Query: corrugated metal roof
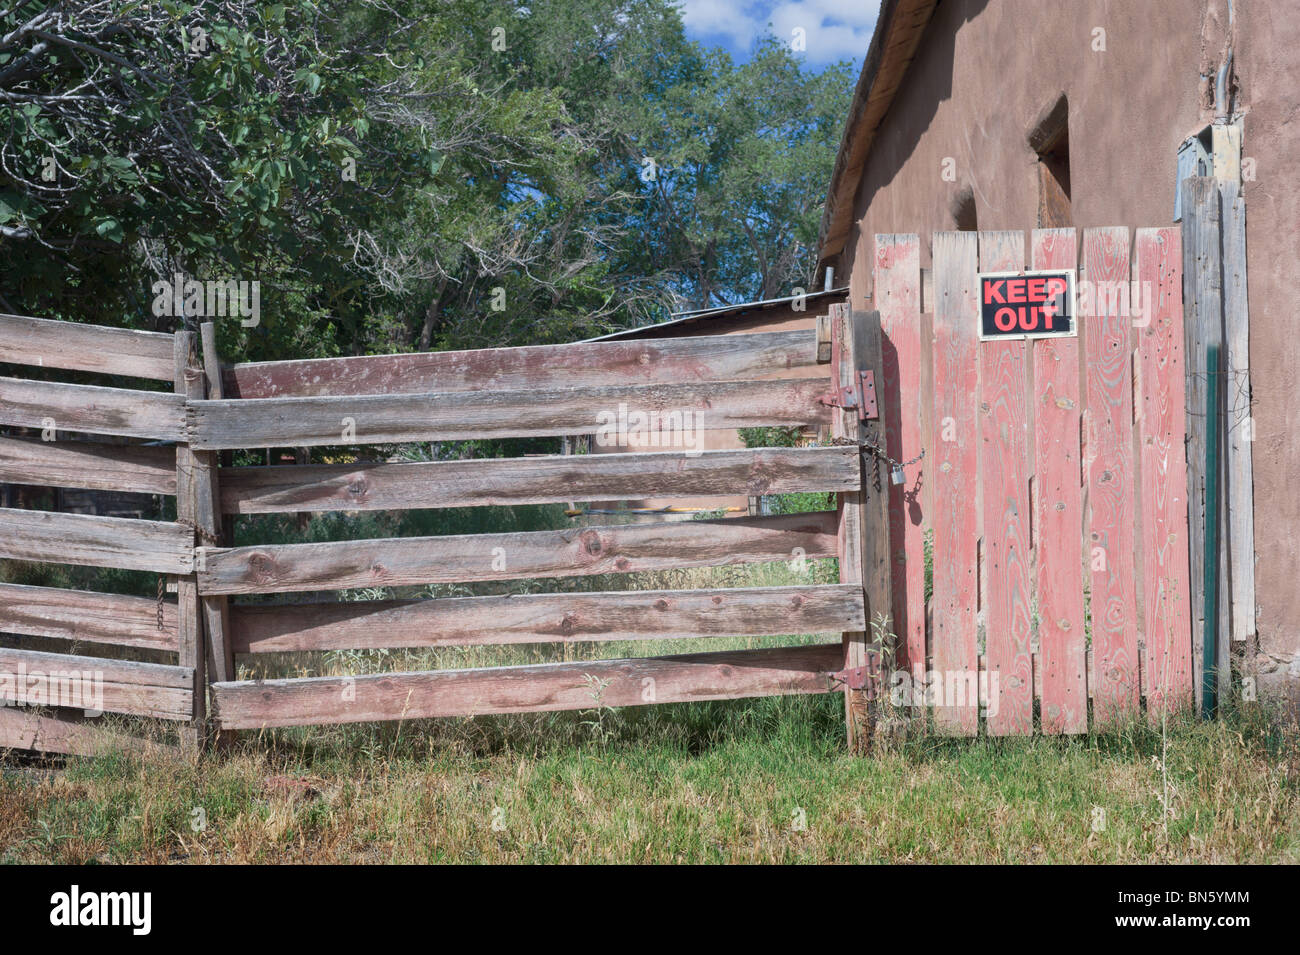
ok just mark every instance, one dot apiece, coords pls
pixel 720 311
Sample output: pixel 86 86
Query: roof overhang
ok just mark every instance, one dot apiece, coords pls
pixel 898 33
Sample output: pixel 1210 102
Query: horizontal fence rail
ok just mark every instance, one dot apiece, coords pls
pixel 476 557
pixel 110 351
pixel 547 618
pixel 501 481
pixel 29 729
pixel 525 689
pixel 82 616
pixel 380 419
pixel 92 409
pixel 532 367
pixel 141 469
pixel 140 689
pixel 93 541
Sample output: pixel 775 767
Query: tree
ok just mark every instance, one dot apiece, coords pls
pixel 401 173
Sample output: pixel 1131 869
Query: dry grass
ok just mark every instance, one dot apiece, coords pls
pixel 704 783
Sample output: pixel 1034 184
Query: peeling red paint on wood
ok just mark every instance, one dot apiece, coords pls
pixel 898 299
pixel 1004 465
pixel 1111 478
pixel 1167 591
pixel 955 426
pixel 1058 522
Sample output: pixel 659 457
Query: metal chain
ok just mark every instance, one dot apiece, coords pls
pixel 205 536
pixel 162 590
pixel 878 452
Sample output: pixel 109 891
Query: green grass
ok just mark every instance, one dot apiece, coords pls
pixel 700 783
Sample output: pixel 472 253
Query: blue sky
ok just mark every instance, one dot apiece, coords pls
pixel 833 29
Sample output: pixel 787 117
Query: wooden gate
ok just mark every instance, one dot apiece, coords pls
pixel 1052 498
pixel 811 380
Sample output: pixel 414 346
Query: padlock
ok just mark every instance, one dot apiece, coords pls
pixel 896 474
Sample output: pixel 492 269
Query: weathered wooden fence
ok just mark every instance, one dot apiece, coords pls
pixel 726 381
pixel 1054 484
pixel 1050 497
pixel 88 622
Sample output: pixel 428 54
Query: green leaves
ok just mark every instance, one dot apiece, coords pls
pixel 384 171
pixel 109 229
pixel 310 80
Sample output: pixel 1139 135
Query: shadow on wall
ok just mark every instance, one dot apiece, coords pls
pixel 932 87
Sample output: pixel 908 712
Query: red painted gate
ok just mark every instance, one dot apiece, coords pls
pixel 1053 487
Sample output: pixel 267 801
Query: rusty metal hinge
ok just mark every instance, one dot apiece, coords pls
pixel 867 387
pixel 860 397
pixel 864 678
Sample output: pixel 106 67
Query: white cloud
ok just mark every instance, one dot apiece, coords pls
pixel 833 29
pixel 723 18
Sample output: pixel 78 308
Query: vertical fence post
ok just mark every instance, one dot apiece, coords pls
pixel 1210 677
pixel 189 620
pixel 864 514
pixel 216 609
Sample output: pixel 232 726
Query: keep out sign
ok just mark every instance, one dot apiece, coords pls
pixel 1026 304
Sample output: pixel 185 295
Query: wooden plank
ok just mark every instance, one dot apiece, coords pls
pixel 1240 514
pixel 1058 516
pixel 898 297
pixel 92 409
pixel 547 687
pixel 1112 477
pixel 110 351
pixel 375 419
pixel 192 650
pixel 24 729
pixel 533 367
pixel 863 515
pixel 956 385
pixel 207 519
pixel 823 338
pixel 86 617
pixel 213 372
pixel 548 618
pixel 214 386
pixel 1004 476
pixel 405 561
pixel 542 480
pixel 31 677
pixel 136 468
pixel 1168 677
pixel 95 541
pixel 1202 327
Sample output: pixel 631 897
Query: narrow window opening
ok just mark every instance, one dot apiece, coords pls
pixel 1050 140
pixel 963 212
